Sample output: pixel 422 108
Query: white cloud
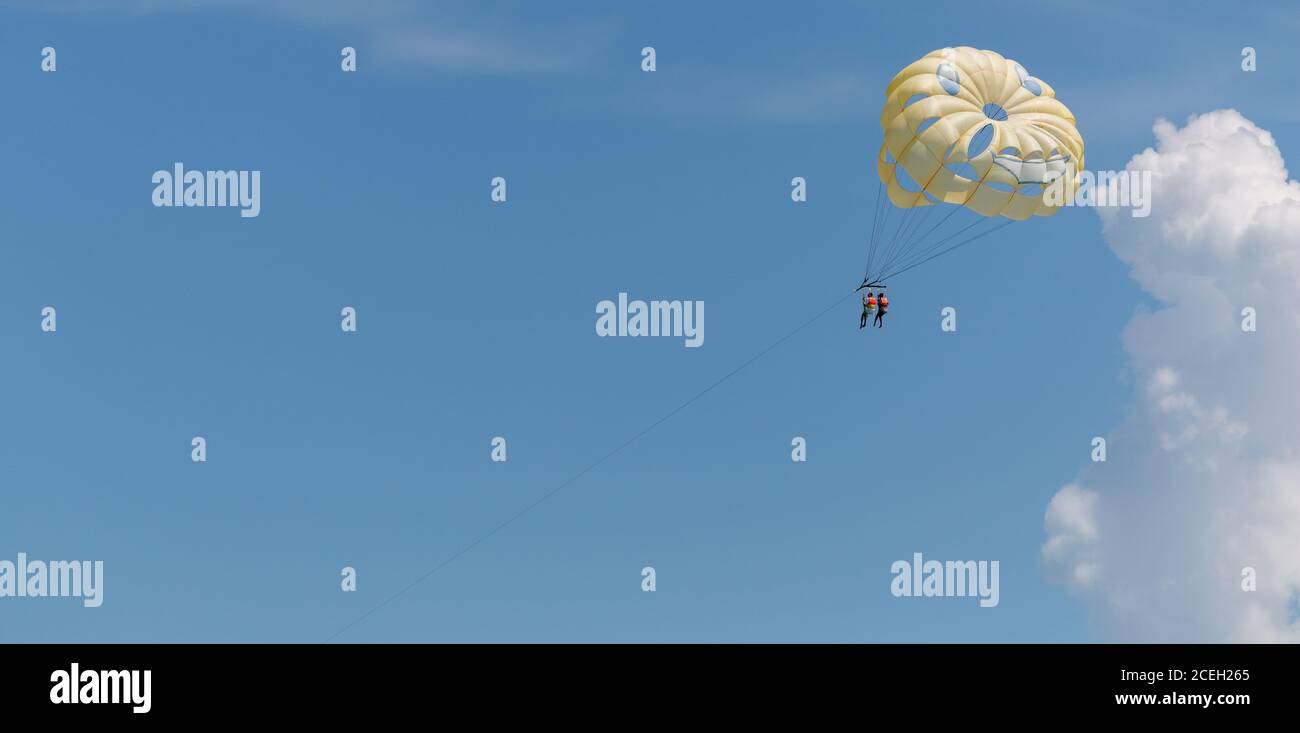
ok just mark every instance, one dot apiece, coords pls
pixel 1203 477
pixel 1072 529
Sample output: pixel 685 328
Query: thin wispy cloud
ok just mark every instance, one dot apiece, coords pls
pixel 440 36
pixel 756 98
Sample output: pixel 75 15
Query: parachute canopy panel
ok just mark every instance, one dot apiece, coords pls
pixel 972 128
pixel 971 132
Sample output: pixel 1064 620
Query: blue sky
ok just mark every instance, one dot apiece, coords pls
pixel 371 449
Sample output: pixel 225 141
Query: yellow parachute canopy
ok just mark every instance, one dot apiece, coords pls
pixel 969 127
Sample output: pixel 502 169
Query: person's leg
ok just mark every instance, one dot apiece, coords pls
pixel 862 323
pixel 879 316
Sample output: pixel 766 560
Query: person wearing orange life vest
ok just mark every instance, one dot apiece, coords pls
pixel 880 313
pixel 868 305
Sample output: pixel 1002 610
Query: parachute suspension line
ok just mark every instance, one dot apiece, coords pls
pixel 905 259
pixel 875 219
pixel 932 246
pixel 875 226
pixel 929 253
pixel 908 239
pixel 902 222
pixel 914 225
pixel 887 248
pixel 892 247
pixel 968 240
pixel 908 244
pixel 926 251
pixel 884 226
pixel 919 240
pixel 981 235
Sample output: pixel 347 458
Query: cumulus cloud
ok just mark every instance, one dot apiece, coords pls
pixel 1202 480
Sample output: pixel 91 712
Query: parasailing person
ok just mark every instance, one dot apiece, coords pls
pixel 868 305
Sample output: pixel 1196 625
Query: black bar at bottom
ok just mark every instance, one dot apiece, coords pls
pixel 335 682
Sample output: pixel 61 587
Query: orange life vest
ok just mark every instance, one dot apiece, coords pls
pixel 884 302
pixel 871 302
